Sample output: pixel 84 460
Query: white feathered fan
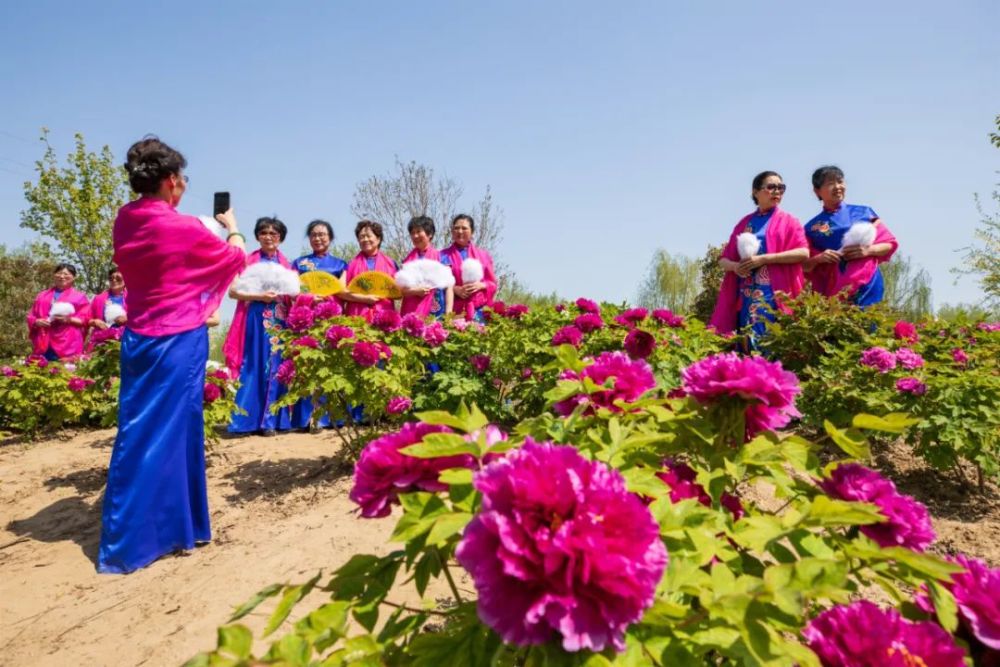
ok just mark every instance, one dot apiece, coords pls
pixel 112 311
pixel 268 277
pixel 61 308
pixel 860 233
pixel 425 273
pixel 214 226
pixel 747 244
pixel 472 270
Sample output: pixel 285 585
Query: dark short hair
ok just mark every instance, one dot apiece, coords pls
pixel 369 224
pixel 149 161
pixel 112 270
pixel 467 218
pixel 758 181
pixel 272 222
pixel 825 173
pixel 422 222
pixel 320 223
pixel 65 265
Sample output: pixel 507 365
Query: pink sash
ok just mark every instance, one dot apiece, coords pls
pixel 827 279
pixel 232 348
pixel 421 305
pixel 65 339
pixel 358 266
pixel 97 311
pixel 467 307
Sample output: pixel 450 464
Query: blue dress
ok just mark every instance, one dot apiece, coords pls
pixel 756 295
pixel 446 260
pixel 259 388
pixel 826 231
pixel 302 411
pixel 156 500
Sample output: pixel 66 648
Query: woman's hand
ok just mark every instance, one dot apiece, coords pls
pixel 853 252
pixel 99 324
pixel 268 297
pixel 467 290
pixel 121 320
pixel 750 264
pixel 419 292
pixel 59 319
pixel 43 322
pixel 369 299
pixel 827 257
pixel 228 220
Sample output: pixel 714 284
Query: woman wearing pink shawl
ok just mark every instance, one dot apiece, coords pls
pixel 156 500
pixel 471 296
pixel 370 258
pixel 762 259
pixel 425 301
pixel 107 311
pixel 56 331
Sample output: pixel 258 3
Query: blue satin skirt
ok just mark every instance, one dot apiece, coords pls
pixel 259 386
pixel 156 501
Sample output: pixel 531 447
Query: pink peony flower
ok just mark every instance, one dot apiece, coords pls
pixel 517 311
pixel 398 405
pixel 385 352
pixel 212 392
pixel 383 472
pixel 988 326
pixel 78 384
pixel 36 360
pixel 220 374
pixel 909 359
pixel 629 380
pixel 560 548
pixel 337 333
pixel 977 593
pixel 680 477
pixel 568 335
pixel 907 522
pixel 863 635
pixel 499 307
pixel 639 344
pixel 911 385
pixel 286 372
pixel 9 372
pixel 413 324
pixel 365 354
pixel 304 300
pixel 560 307
pixel 481 362
pixel 764 386
pixel 327 309
pixel 905 331
pixel 435 334
pixel 306 341
pixel 959 356
pixel 102 336
pixel 526 373
pixel 878 358
pixel 387 320
pixel 631 317
pixel 664 316
pixel 587 322
pixel 299 318
pixel 588 306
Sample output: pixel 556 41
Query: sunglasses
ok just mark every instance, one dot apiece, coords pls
pixel 775 187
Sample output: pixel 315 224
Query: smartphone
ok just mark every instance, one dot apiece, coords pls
pixel 221 203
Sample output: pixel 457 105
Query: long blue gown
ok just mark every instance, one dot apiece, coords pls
pixel 827 230
pixel 756 294
pixel 156 501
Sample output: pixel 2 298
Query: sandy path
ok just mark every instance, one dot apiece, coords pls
pixel 276 516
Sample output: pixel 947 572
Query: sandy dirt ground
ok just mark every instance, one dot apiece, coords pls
pixel 280 512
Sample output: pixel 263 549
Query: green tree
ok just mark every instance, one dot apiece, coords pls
pixel 513 291
pixel 671 282
pixel 24 273
pixel 907 288
pixel 982 258
pixel 711 281
pixel 963 312
pixel 73 208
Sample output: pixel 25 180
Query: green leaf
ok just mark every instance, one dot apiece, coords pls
pixel 644 482
pixel 851 441
pixel 253 602
pixel 825 511
pixel 235 640
pixel 944 606
pixel 894 422
pixel 435 445
pixel 324 626
pixel 291 650
pixel 455 476
pixel 447 525
pixel 441 418
pixel 291 597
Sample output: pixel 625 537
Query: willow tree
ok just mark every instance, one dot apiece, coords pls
pixel 672 281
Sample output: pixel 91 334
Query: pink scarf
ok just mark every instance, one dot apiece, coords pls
pixel 358 266
pixel 421 305
pixel 784 232
pixel 65 339
pixel 467 307
pixel 232 348
pixel 97 312
pixel 177 271
pixel 827 279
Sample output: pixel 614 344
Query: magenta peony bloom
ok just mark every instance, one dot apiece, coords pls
pixel 568 335
pixel 326 309
pixel 526 373
pixel 387 320
pixel 588 306
pixel 910 385
pixel 102 336
pixel 286 372
pixel 959 356
pixel 306 341
pixel 435 334
pixel 499 307
pixel 299 318
pixel 560 550
pixel 413 324
pixel 907 522
pixel 667 317
pixel 481 362
pixel 304 299
pixel 560 307
pixel 9 372
pixel 365 354
pixel 905 331
pixel 212 392
pixel 909 359
pixel 767 388
pixel 988 326
pixel 78 384
pixel 337 333
pixel 383 472
pixel 517 311
pixel 398 405
pixel 36 360
pixel 629 380
pixel 639 344
pixel 384 350
pixel 680 477
pixel 863 635
pixel 631 317
pixel 878 358
pixel 587 322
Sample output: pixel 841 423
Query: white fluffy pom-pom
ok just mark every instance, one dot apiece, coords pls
pixel 747 245
pixel 214 226
pixel 472 270
pixel 61 308
pixel 268 277
pixel 425 273
pixel 860 233
pixel 112 311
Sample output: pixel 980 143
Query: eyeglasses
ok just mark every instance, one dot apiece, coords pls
pixel 268 234
pixel 319 235
pixel 775 187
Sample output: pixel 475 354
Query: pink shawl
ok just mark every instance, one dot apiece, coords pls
pixel 358 266
pixel 232 348
pixel 784 232
pixel 65 339
pixel 177 271
pixel 829 280
pixel 421 305
pixel 467 307
pixel 97 312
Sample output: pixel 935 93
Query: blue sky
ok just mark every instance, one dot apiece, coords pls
pixel 604 129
